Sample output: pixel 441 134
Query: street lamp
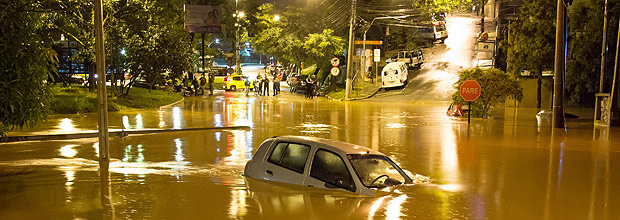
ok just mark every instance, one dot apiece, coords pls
pixel 368 28
pixel 216 41
pixel 238 15
pixel 276 18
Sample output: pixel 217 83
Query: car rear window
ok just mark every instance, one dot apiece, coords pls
pixel 440 27
pixel 290 155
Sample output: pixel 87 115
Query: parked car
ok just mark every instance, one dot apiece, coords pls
pixel 413 58
pixel 394 74
pixel 327 164
pixel 457 110
pixel 76 79
pixel 298 83
pixel 236 82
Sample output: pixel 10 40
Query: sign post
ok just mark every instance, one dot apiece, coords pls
pixel 470 90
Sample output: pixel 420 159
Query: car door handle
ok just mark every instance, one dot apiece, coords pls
pixel 269 172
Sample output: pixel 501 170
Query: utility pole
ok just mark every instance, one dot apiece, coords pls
pixel 102 97
pixel 238 15
pixel 560 66
pixel 603 50
pixel 350 52
pixel 203 53
pixel 482 19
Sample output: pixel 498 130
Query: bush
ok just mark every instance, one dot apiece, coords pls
pixel 73 100
pixel 496 86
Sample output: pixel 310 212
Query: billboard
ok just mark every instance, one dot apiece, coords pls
pixel 203 18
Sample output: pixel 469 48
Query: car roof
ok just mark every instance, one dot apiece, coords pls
pixel 333 145
pixel 394 64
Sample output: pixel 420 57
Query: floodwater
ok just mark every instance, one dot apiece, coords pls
pixel 510 168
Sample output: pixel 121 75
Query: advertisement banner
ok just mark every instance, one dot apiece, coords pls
pixel 203 19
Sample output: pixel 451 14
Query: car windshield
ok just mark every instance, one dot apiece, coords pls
pixel 376 171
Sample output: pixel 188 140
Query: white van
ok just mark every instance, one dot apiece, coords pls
pixel 394 74
pixel 435 32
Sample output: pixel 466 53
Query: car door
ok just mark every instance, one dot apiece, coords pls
pixel 286 163
pixel 329 171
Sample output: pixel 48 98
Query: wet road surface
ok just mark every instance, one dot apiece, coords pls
pixel 511 168
pixel 442 64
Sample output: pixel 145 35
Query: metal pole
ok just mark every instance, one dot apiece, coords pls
pixel 347 94
pixel 364 69
pixel 613 99
pixel 237 64
pixel 482 19
pixel 102 98
pixel 603 49
pixel 560 66
pixel 203 53
pixel 468 112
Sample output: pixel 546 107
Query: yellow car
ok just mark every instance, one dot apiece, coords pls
pixel 236 82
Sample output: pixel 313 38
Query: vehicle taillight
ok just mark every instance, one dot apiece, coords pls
pixel 226 79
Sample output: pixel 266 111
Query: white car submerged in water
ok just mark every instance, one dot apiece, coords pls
pixel 328 164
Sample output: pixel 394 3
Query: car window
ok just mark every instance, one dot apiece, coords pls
pixel 276 154
pixel 440 27
pixel 330 168
pixel 407 55
pixel 290 155
pixel 237 78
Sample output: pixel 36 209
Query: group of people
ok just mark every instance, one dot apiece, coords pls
pixel 261 85
pixel 194 86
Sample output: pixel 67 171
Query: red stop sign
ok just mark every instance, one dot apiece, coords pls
pixel 470 90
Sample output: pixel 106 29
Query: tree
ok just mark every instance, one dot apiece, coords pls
pixel 157 45
pixel 584 45
pixel 532 41
pixel 27 60
pixel 284 39
pixel 496 86
pixel 74 19
pixel 323 46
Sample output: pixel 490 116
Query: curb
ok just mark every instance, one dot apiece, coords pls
pixel 171 104
pixel 355 99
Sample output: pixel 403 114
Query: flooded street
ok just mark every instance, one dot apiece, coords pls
pixel 511 168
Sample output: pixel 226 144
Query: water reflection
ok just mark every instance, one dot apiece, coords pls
pixel 178 155
pixel 503 168
pixel 394 208
pixel 176 118
pixel 299 202
pixel 68 150
pixel 66 125
pixel 105 191
pixel 126 124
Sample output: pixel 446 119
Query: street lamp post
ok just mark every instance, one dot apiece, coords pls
pixel 238 15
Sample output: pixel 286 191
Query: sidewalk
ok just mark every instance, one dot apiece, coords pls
pixel 484 53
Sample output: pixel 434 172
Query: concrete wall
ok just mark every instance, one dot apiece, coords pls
pixel 490 9
pixel 529 95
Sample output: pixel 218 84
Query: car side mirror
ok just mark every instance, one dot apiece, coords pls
pixel 342 183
